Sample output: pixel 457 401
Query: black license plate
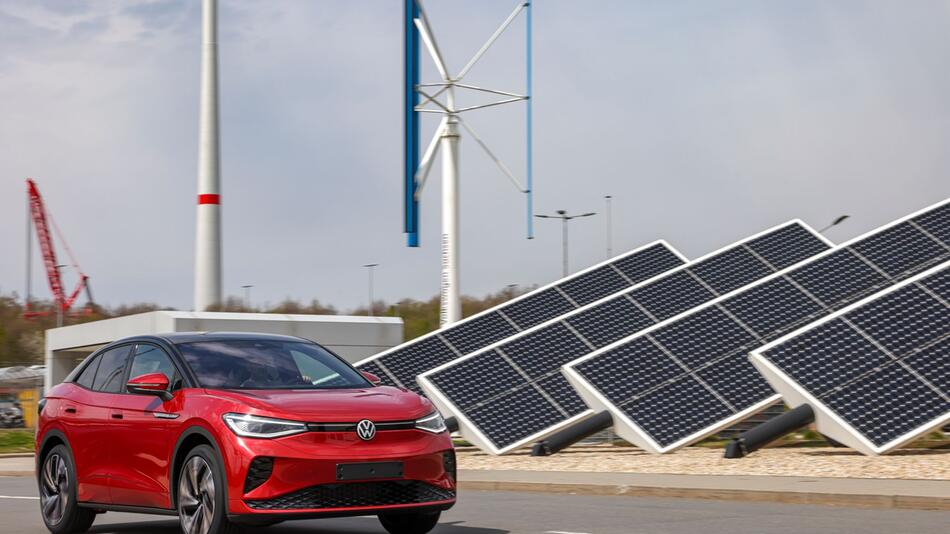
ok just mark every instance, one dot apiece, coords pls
pixel 368 470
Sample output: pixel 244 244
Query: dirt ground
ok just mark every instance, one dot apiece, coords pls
pixel 930 464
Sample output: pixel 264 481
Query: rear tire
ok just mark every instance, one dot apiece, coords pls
pixel 418 523
pixel 58 503
pixel 200 498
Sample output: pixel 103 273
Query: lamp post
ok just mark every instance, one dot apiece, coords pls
pixel 838 220
pixel 610 232
pixel 562 214
pixel 247 295
pixel 370 267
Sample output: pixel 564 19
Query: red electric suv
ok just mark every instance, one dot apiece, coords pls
pixel 230 429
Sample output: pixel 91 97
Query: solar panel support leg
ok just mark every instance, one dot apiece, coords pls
pixel 452 424
pixel 755 438
pixel 573 434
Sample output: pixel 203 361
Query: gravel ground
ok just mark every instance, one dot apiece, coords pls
pixel 807 462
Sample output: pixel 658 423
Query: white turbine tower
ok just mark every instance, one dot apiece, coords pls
pixel 446 139
pixel 208 235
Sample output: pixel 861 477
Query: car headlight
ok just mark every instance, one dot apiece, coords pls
pixel 253 426
pixel 432 423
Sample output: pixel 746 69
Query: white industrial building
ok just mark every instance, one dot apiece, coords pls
pixel 352 337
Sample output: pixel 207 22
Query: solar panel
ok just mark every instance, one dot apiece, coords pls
pixel 400 365
pixel 522 375
pixel 876 373
pixel 713 384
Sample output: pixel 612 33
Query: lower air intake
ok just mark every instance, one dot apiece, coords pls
pixel 356 494
pixel 258 472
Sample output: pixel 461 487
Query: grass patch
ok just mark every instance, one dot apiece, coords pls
pixel 16 441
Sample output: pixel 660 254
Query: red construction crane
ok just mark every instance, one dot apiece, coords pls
pixel 42 221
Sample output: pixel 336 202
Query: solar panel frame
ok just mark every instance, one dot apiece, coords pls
pixel 827 421
pixel 471 431
pixel 632 432
pixel 390 378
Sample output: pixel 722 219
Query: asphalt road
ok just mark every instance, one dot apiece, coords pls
pixel 485 512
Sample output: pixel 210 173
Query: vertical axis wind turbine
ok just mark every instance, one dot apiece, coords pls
pixel 441 96
pixel 208 233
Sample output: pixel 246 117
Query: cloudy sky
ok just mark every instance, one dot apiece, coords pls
pixel 706 120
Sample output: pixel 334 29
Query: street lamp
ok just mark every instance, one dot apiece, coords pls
pixel 562 214
pixel 610 232
pixel 838 220
pixel 370 267
pixel 247 295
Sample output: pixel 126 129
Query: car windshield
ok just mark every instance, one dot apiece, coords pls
pixel 268 364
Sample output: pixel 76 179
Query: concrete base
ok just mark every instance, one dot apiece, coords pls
pixel 855 492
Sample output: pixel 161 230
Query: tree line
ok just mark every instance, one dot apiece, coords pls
pixel 22 338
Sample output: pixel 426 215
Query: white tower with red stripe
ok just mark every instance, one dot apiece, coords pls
pixel 208 239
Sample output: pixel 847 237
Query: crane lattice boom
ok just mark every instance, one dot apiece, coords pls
pixel 41 222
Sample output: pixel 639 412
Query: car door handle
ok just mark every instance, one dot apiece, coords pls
pixel 117 415
pixel 70 409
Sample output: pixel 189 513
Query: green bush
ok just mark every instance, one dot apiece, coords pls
pixel 16 441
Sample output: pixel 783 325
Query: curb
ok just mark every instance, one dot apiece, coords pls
pixel 787 497
pixel 17 455
pixel 16 473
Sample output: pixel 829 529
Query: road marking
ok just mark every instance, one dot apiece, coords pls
pixel 19 498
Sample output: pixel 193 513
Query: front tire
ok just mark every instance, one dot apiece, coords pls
pixel 58 503
pixel 419 523
pixel 202 506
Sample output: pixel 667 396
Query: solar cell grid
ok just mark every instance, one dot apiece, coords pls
pixel 605 323
pixel 712 340
pixel 773 247
pixel 400 365
pixel 936 223
pixel 597 284
pixel 540 352
pixel 878 370
pixel 732 269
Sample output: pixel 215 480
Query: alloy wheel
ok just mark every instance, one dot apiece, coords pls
pixel 54 490
pixel 196 496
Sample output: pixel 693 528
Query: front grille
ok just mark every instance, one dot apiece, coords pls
pixel 351 427
pixel 258 472
pixel 356 494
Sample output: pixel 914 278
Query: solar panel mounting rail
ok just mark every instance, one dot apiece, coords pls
pixel 400 365
pixel 697 375
pixel 876 374
pixel 512 393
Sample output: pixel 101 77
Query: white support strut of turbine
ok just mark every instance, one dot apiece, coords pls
pixel 439 97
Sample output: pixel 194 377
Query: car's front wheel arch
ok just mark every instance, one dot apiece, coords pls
pixel 189 439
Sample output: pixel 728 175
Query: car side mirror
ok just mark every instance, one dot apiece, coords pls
pixel 371 377
pixel 150 384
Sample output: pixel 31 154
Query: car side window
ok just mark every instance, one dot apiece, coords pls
pixel 112 370
pixel 150 359
pixel 88 375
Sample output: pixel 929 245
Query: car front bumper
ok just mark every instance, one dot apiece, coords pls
pixel 303 481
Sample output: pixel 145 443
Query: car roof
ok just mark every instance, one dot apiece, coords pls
pixel 177 338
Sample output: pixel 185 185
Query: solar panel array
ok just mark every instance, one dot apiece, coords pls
pixel 690 377
pixel 400 365
pixel 513 392
pixel 882 367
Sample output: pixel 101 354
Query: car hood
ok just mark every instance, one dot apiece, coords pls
pixel 332 405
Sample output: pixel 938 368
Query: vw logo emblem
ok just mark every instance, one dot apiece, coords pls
pixel 365 429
